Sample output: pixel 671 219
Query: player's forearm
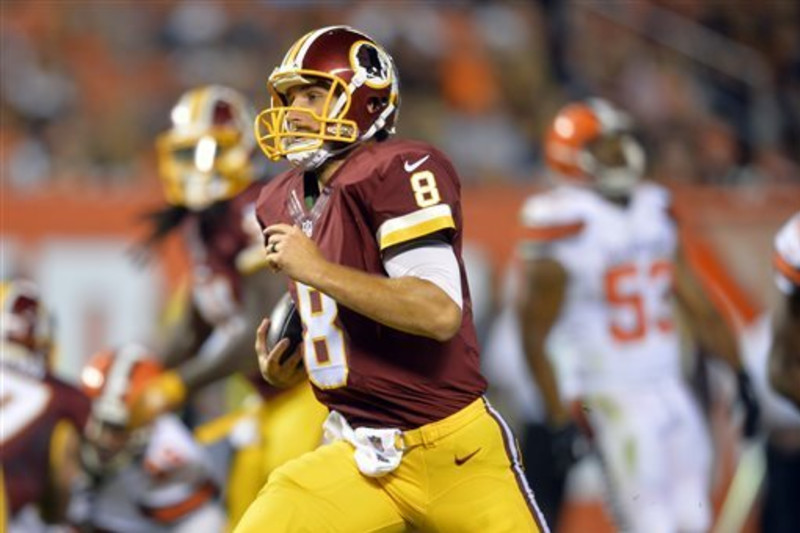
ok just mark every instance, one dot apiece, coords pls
pixel 544 375
pixel 183 339
pixel 704 318
pixel 229 349
pixel 407 304
pixel 229 346
pixel 716 336
pixel 538 313
pixel 784 375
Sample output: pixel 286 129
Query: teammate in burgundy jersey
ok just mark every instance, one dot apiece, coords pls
pixel 42 415
pixel 206 167
pixel 369 231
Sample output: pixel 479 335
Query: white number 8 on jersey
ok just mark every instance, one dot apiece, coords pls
pixel 324 349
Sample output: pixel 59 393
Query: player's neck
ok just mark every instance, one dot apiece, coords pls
pixel 327 172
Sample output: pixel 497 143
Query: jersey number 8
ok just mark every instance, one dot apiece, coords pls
pixel 324 349
pixel 423 183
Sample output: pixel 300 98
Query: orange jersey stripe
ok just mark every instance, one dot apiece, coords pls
pixel 783 266
pixel 171 513
pixel 727 295
pixel 552 233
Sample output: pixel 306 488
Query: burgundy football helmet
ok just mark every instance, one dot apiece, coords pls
pixel 205 157
pixel 26 325
pixel 363 96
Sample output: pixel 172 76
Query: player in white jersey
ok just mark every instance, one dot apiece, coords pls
pixel 148 479
pixel 602 265
pixel 785 357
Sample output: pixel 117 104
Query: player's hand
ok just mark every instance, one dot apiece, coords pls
pixel 568 445
pixel 289 250
pixel 276 369
pixel 165 393
pixel 749 403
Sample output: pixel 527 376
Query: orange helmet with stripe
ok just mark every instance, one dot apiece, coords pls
pixel 112 379
pixel 591 143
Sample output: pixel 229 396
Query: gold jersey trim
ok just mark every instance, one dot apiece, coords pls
pixel 413 225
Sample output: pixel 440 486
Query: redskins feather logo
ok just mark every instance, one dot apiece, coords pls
pixel 374 62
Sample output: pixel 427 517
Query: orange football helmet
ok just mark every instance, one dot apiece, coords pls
pixel 112 379
pixel 591 143
pixel 363 96
pixel 26 326
pixel 206 156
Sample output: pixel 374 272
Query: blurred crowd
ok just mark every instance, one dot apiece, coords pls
pixel 715 85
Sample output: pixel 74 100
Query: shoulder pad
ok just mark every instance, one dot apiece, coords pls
pixel 552 216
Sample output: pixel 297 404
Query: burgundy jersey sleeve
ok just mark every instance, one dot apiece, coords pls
pixel 415 194
pixel 32 409
pixel 72 405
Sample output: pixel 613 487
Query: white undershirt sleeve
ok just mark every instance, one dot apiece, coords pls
pixel 436 263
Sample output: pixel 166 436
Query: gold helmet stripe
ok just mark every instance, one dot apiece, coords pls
pixel 195 103
pixel 292 53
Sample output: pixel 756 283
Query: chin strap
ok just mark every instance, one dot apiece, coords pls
pixel 313 159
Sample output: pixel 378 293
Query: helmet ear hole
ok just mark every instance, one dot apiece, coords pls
pixel 376 103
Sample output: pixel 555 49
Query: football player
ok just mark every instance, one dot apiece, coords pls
pixel 153 477
pixel 42 416
pixel 205 163
pixel 784 368
pixel 369 231
pixel 603 265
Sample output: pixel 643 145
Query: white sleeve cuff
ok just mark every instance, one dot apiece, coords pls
pixel 436 263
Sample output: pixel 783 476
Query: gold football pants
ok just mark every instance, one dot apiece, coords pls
pixel 290 425
pixel 459 474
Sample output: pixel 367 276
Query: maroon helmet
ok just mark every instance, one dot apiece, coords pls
pixel 363 96
pixel 26 325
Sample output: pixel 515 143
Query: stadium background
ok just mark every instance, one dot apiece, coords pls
pixel 86 86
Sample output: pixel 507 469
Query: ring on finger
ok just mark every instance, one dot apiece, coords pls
pixel 273 247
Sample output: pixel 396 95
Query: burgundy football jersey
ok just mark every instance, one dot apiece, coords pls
pixel 384 195
pixel 222 243
pixel 31 407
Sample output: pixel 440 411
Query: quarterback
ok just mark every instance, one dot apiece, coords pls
pixel 369 230
pixel 603 265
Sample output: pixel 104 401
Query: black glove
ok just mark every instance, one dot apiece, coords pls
pixel 747 399
pixel 568 445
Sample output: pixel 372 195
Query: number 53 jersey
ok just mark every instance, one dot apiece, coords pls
pixel 384 197
pixel 616 325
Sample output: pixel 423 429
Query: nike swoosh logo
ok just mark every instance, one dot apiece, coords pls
pixel 461 460
pixel 411 167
